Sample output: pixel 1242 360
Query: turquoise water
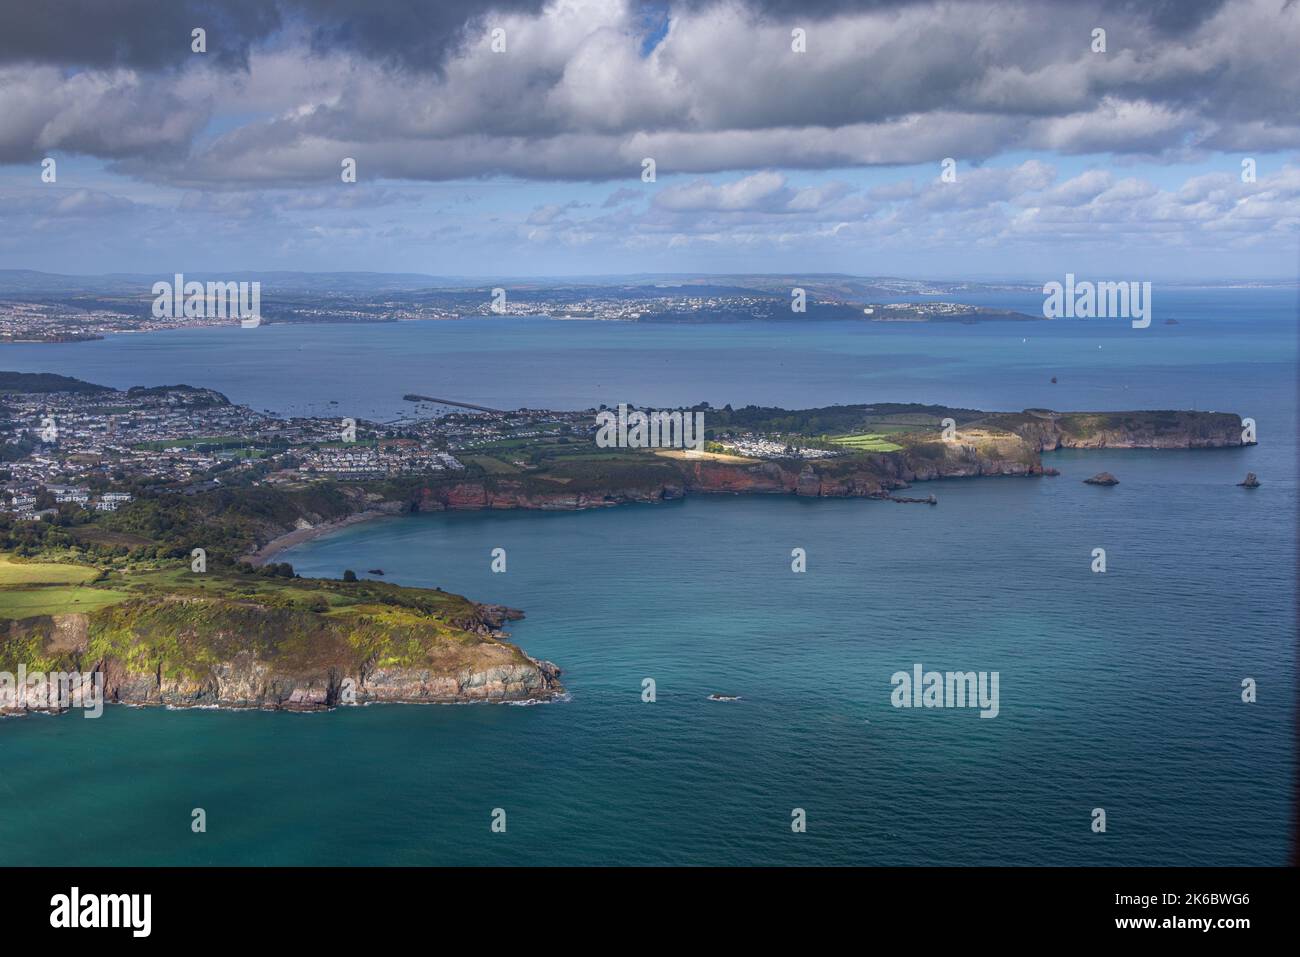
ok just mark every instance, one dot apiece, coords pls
pixel 1118 691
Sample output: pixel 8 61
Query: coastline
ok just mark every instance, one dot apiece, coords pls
pixel 878 479
pixel 297 536
pixel 536 681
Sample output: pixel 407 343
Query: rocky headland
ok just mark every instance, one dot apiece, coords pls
pixel 248 633
pixel 272 649
pixel 1001 444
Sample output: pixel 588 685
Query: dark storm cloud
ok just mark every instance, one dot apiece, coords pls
pixel 588 88
pixel 1170 16
pixel 141 34
pixel 413 35
pixel 154 34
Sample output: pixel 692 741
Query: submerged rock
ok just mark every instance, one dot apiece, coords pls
pixel 1251 481
pixel 1101 478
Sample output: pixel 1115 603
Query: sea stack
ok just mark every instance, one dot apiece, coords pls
pixel 1102 478
pixel 1251 481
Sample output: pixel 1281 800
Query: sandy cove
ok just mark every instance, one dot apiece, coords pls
pixel 299 535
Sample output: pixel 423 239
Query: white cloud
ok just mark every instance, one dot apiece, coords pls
pixel 574 98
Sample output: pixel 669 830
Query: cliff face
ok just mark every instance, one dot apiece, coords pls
pixel 1124 430
pixel 984 445
pixel 998 444
pixel 197 652
pixel 805 479
pixel 925 458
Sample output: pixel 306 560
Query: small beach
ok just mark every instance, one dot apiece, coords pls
pixel 299 535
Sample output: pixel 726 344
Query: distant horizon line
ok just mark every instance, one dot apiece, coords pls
pixel 498 277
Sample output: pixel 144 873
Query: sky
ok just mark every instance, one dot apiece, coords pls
pixel 978 139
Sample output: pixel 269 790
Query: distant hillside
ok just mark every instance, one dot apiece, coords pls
pixel 29 282
pixel 139 390
pixel 25 283
pixel 45 382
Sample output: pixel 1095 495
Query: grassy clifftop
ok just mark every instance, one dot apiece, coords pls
pixel 238 639
pixel 1154 429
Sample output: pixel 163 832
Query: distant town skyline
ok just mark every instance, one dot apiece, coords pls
pixel 976 140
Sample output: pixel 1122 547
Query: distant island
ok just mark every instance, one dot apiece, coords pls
pixel 109 493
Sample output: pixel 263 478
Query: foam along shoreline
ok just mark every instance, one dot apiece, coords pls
pixel 297 536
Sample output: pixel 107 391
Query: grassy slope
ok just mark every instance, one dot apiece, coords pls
pixel 190 622
pixel 55 600
pixel 43 573
pixel 49 588
pixel 867 442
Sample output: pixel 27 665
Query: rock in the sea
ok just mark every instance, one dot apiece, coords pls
pixel 374 571
pixel 1102 478
pixel 1251 481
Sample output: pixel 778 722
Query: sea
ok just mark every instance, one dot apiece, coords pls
pixel 1118 692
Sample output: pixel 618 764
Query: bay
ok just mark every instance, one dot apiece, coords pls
pixel 1119 690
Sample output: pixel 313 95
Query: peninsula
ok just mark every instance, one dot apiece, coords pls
pixel 139 526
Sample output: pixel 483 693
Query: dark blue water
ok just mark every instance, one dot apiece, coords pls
pixel 1232 349
pixel 1119 691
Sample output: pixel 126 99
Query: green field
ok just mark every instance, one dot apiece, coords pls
pixel 31 589
pixel 55 600
pixel 49 588
pixel 42 573
pixel 866 442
